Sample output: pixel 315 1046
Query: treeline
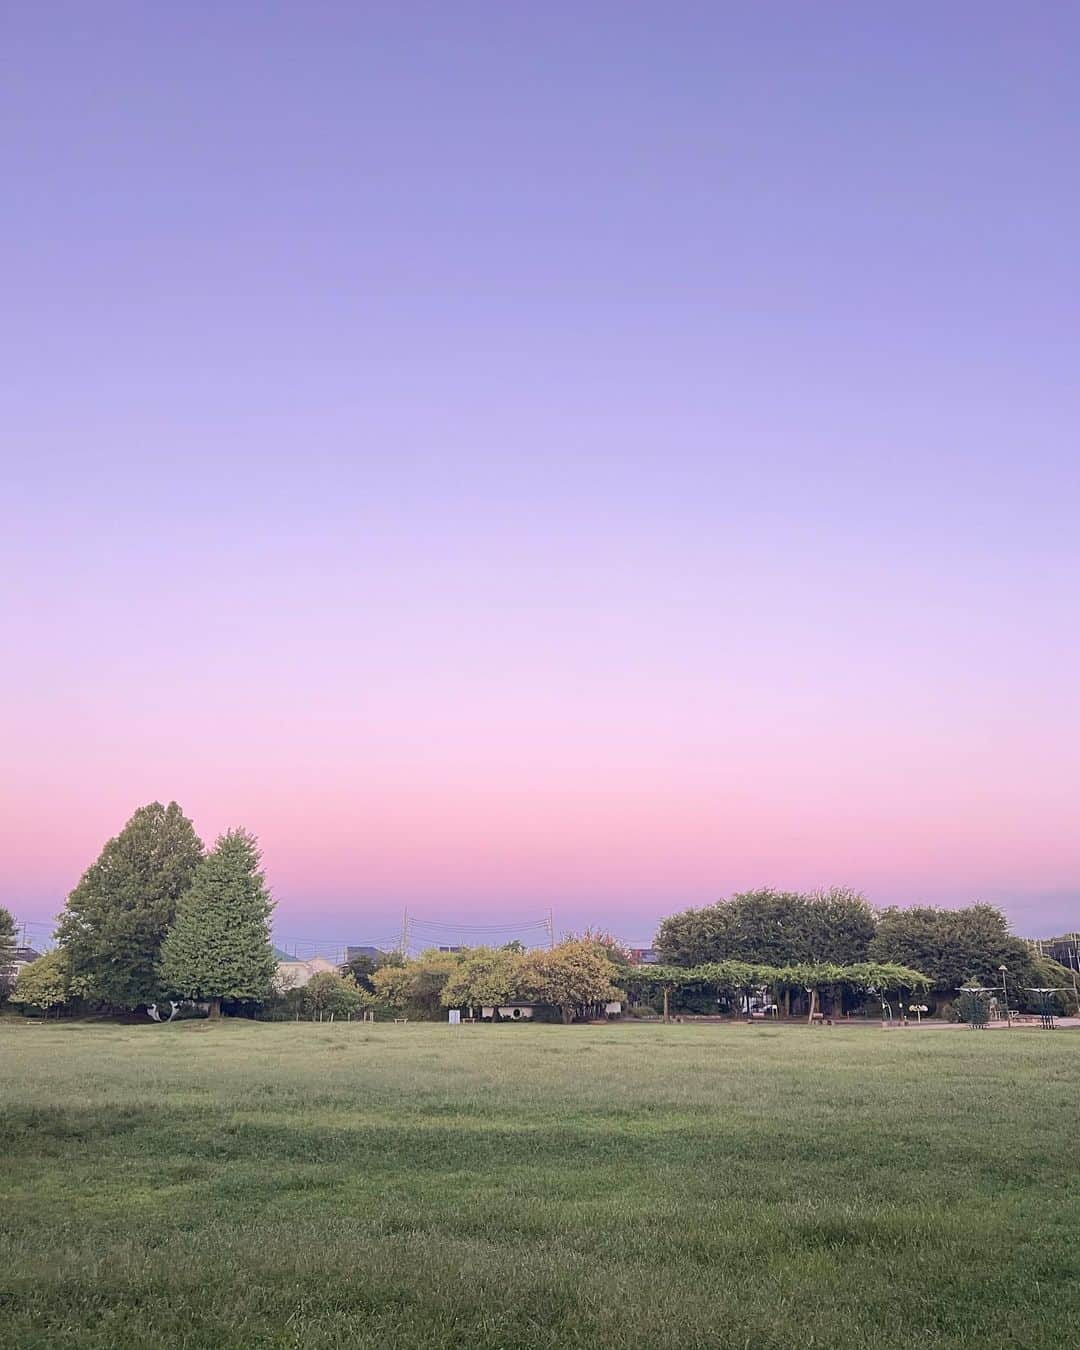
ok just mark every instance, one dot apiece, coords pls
pixel 158 917
pixel 950 947
pixel 573 979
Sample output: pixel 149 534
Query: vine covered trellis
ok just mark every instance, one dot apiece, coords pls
pixel 741 980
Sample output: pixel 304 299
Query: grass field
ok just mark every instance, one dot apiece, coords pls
pixel 394 1186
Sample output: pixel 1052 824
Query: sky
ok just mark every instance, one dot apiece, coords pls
pixel 514 457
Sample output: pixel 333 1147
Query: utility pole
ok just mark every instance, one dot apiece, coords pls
pixel 404 946
pixel 551 927
pixel 1074 965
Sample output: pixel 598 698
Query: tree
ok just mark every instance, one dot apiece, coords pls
pixel 571 977
pixel 695 935
pixel 415 987
pixel 485 977
pixel 954 946
pixel 43 984
pixel 7 951
pixel 219 946
pixel 330 995
pixel 615 950
pixel 840 926
pixel 362 968
pixel 768 927
pixel 117 916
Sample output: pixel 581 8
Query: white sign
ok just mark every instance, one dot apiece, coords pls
pixel 455 1017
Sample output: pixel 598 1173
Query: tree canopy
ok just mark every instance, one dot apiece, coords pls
pixel 571 977
pixel 7 951
pixel 117 916
pixel 734 977
pixel 415 987
pixel 771 927
pixel 485 977
pixel 331 995
pixel 956 946
pixel 43 984
pixel 219 945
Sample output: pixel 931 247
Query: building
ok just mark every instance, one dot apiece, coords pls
pixel 1065 950
pixel 372 953
pixel 292 973
pixel 510 1012
pixel 644 956
pixel 20 958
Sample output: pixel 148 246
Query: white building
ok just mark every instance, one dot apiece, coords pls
pixel 292 973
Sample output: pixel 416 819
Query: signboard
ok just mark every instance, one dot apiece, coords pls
pixel 455 1017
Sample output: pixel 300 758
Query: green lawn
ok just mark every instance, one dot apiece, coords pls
pixel 626 1186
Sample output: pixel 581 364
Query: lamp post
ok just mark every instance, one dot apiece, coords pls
pixel 1005 995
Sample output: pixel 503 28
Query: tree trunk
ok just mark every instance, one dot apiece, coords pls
pixel 567 1015
pixel 215 1007
pixel 667 1014
pixel 813 1001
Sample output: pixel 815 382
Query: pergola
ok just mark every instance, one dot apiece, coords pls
pixel 1046 1003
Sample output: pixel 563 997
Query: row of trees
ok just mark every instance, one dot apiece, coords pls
pixel 574 978
pixel 157 917
pixel 839 927
pixel 581 974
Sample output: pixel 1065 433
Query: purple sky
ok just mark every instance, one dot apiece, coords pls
pixel 512 455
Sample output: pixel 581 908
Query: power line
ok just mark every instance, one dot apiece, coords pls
pixel 480 928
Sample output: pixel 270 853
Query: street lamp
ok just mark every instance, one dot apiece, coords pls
pixel 1005 993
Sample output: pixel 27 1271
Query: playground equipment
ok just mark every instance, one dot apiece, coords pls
pixel 1046 1004
pixel 974 1005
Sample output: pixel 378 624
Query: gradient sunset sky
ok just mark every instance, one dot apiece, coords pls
pixel 512 455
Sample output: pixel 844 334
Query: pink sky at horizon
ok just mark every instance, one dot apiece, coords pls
pixel 508 461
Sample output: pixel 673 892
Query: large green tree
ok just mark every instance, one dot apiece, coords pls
pixel 7 951
pixel 952 946
pixel 415 987
pixel 840 926
pixel 117 916
pixel 571 977
pixel 484 977
pixel 219 945
pixel 771 927
pixel 329 994
pixel 956 946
